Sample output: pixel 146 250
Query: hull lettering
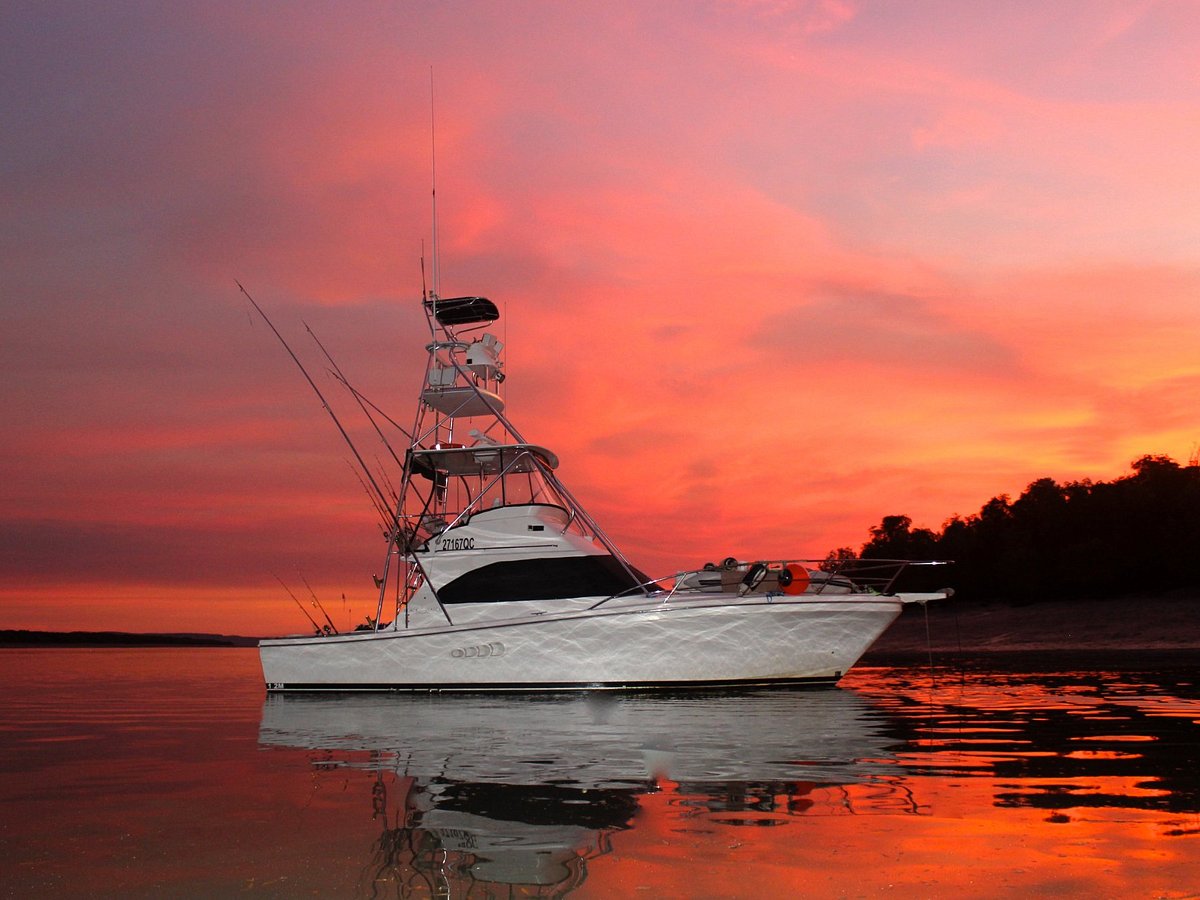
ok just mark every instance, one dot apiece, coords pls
pixel 479 651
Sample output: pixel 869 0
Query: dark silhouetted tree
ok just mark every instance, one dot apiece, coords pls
pixel 1138 533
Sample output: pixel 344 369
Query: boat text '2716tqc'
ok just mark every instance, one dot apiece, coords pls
pixel 497 578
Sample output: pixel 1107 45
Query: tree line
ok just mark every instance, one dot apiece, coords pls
pixel 1139 533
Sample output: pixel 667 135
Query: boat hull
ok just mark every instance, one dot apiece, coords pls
pixel 752 641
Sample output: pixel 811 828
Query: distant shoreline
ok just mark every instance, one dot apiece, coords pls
pixel 60 639
pixel 1166 626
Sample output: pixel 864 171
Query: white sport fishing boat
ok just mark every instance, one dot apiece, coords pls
pixel 497 578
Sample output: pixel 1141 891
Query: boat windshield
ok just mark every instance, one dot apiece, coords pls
pixel 482 459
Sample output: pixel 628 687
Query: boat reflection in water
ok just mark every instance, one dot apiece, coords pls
pixel 523 790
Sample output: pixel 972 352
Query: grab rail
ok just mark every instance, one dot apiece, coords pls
pixel 833 576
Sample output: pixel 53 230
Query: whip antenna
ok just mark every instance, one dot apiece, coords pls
pixel 437 287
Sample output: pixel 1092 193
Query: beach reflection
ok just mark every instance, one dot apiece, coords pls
pixel 1057 741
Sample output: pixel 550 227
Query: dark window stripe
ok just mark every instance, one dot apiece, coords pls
pixel 541 579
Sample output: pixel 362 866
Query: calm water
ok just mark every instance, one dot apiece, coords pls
pixel 168 773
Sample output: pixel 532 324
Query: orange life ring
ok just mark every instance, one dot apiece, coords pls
pixel 794 579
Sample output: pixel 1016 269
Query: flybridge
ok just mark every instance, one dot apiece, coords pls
pixel 471 481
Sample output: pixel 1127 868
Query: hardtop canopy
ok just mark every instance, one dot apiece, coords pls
pixel 463 310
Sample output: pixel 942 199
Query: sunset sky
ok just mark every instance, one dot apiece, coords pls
pixel 768 271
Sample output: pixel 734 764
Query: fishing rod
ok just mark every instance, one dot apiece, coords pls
pixel 325 403
pixel 316 627
pixel 352 389
pixel 383 513
pixel 318 602
pixel 387 482
pixel 358 397
pixel 363 402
